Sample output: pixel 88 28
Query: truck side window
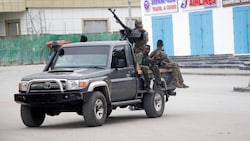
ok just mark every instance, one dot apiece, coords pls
pixel 119 58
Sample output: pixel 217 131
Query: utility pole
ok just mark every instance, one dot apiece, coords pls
pixel 129 14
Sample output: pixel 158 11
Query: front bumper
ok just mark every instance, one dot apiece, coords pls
pixel 48 99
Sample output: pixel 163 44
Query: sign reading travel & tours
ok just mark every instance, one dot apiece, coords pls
pixel 159 6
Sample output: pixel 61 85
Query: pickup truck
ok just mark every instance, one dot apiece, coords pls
pixel 91 79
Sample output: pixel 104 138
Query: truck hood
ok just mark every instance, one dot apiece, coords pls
pixel 69 74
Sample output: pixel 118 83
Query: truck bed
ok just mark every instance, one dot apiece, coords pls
pixel 138 67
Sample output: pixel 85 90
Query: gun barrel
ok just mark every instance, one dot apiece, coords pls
pixel 117 19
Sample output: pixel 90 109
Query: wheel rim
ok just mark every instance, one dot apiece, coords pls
pixel 158 102
pixel 99 109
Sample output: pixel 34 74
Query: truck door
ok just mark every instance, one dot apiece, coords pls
pixel 123 78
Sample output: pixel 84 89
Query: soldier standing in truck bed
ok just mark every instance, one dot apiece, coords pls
pixel 140 36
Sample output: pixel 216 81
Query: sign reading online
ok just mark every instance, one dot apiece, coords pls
pixel 160 6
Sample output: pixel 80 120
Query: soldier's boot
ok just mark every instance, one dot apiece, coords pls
pixel 184 85
pixel 177 84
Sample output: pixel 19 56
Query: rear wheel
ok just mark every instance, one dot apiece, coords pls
pixel 32 116
pixel 154 104
pixel 95 109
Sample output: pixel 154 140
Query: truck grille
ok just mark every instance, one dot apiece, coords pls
pixel 47 86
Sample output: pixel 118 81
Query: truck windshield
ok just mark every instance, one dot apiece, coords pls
pixel 76 57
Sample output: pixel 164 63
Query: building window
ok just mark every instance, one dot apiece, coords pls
pixel 12 27
pixel 95 25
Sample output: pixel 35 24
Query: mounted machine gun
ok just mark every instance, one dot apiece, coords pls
pixel 132 35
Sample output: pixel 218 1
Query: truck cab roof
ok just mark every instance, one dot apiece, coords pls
pixel 97 43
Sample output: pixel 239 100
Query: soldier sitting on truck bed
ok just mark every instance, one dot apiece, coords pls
pixel 164 62
pixel 145 64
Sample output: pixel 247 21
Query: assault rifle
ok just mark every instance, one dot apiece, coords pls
pixel 127 33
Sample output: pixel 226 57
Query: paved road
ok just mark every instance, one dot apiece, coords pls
pixel 207 111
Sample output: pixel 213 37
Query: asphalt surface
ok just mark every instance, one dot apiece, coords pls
pixel 215 71
pixel 207 111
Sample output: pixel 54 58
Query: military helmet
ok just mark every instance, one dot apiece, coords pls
pixel 138 23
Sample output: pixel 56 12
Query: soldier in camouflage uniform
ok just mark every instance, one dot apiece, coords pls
pixel 163 61
pixel 145 63
pixel 140 42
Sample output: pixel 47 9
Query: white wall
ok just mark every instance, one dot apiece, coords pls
pixel 62 21
pixel 69 21
pixel 223 31
pixel 2 25
pixel 181 34
pixel 147 25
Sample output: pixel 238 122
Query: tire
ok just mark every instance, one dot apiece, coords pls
pixel 95 109
pixel 31 116
pixel 154 104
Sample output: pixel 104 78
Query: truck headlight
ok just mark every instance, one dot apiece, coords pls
pixel 77 84
pixel 23 85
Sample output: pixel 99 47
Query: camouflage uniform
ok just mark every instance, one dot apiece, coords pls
pixel 140 43
pixel 145 64
pixel 163 61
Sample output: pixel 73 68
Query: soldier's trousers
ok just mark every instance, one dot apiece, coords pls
pixel 156 73
pixel 138 56
pixel 176 73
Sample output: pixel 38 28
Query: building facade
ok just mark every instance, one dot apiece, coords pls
pixel 22 17
pixel 187 27
pixel 198 27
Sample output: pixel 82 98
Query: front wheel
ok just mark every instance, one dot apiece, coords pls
pixel 95 109
pixel 154 104
pixel 32 116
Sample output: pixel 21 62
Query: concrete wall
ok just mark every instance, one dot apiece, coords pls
pixel 181 34
pixel 21 5
pixel 11 16
pixel 12 5
pixel 67 20
pixel 223 31
pixel 61 21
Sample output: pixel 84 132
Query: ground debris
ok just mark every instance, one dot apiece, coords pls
pixel 240 89
pixel 243 89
